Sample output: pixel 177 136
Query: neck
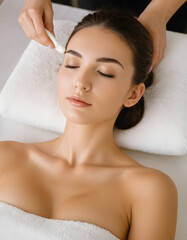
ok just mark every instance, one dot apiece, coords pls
pixel 91 144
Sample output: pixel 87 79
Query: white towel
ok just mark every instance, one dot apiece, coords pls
pixel 17 224
pixel 30 96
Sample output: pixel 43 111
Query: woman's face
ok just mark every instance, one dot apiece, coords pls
pixel 97 66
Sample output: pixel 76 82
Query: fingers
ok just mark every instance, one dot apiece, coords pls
pixel 48 21
pixel 159 45
pixel 26 23
pixel 156 52
pixel 156 27
pixel 39 28
pixel 32 23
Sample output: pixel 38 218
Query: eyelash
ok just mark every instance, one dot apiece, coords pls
pixel 104 75
pixel 68 66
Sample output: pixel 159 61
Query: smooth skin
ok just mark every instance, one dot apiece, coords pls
pixel 83 175
pixel 36 15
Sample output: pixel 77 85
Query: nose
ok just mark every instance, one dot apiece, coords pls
pixel 82 84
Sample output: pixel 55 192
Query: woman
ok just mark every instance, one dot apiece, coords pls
pixel 83 175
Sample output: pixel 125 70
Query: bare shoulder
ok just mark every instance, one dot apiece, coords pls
pixel 144 180
pixel 149 178
pixel 154 202
pixel 137 180
pixel 11 153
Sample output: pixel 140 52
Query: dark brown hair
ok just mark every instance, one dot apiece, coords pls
pixel 138 39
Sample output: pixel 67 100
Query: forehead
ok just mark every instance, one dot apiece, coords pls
pixel 99 41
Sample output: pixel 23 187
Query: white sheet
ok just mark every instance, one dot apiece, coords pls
pixel 175 167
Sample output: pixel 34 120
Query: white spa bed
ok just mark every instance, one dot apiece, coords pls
pixel 10 53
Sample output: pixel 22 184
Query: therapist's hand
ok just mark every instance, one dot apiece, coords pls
pixel 35 15
pixel 156 26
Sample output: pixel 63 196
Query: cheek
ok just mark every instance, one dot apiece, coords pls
pixel 114 95
pixel 63 87
pixel 63 81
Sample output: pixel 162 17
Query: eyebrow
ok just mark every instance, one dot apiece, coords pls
pixel 102 59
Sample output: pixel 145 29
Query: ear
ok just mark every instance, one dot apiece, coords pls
pixel 134 95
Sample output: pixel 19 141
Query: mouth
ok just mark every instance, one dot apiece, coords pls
pixel 78 101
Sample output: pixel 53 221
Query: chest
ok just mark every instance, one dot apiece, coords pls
pixel 95 197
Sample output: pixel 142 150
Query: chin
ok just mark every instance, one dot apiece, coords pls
pixel 78 118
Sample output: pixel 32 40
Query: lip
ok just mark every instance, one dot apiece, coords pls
pixel 78 101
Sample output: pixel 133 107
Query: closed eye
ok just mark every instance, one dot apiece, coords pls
pixel 68 66
pixel 106 75
pixel 103 74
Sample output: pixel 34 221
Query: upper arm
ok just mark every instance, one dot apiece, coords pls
pixel 154 208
